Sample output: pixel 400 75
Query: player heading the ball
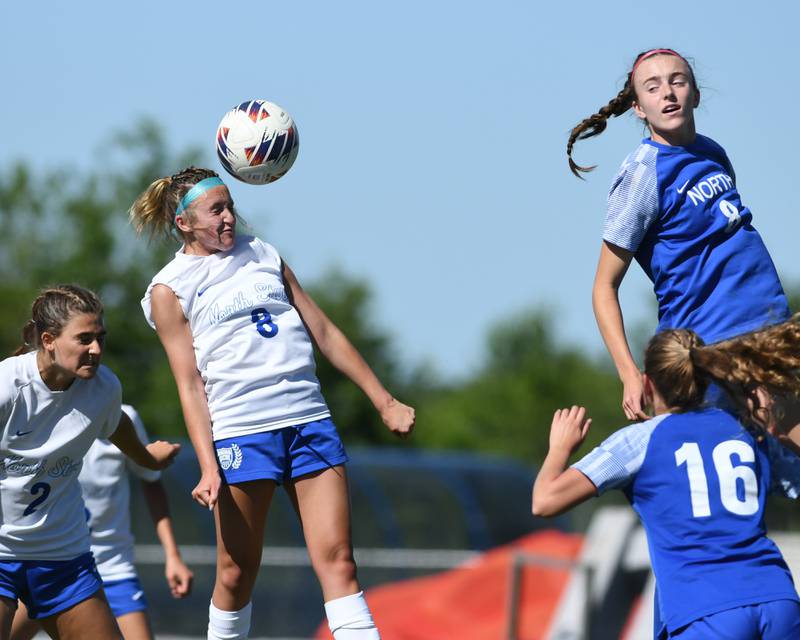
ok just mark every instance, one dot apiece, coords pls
pixel 237 328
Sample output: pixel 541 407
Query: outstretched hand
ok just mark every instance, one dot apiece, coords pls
pixel 569 428
pixel 399 418
pixel 163 453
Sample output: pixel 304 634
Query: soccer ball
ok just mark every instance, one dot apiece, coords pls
pixel 257 142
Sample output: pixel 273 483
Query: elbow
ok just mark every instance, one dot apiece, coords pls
pixel 542 507
pixel 603 291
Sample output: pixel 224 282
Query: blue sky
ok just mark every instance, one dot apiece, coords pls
pixel 432 134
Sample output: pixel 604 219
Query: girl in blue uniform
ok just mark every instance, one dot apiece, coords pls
pixel 698 480
pixel 674 207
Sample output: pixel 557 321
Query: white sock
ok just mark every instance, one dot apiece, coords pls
pixel 229 625
pixel 349 618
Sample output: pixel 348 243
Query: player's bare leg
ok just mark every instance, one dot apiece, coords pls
pixel 7 609
pixel 323 504
pixel 90 618
pixel 23 627
pixel 240 514
pixel 135 626
pixel 322 501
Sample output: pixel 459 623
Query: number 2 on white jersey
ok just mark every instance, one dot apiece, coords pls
pixel 728 474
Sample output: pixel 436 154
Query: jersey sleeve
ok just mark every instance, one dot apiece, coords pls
pixel 148 475
pixel 784 469
pixel 146 301
pixel 8 392
pixel 632 205
pixel 617 460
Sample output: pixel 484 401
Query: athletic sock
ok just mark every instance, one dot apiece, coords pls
pixel 349 618
pixel 229 625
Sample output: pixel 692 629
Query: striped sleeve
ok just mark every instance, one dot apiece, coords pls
pixel 633 200
pixel 614 463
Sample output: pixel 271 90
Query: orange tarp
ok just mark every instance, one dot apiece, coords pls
pixel 473 603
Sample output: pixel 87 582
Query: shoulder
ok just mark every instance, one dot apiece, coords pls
pixel 107 380
pixel 637 173
pixel 633 200
pixel 715 151
pixel 262 249
pixel 635 437
pixel 15 373
pixel 710 144
pixel 617 460
pixel 166 285
pixel 172 270
pixel 642 158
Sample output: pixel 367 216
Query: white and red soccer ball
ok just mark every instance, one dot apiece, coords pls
pixel 257 142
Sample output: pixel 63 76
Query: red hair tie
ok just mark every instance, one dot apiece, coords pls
pixel 653 52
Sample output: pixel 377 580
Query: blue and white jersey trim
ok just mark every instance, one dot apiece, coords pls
pixel 785 469
pixel 614 463
pixel 633 200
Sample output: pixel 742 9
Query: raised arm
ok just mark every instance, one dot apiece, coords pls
pixel 335 346
pixel 179 576
pixel 176 337
pixel 611 269
pixel 156 455
pixel 558 488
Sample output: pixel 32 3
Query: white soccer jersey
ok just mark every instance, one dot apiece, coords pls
pixel 107 494
pixel 45 435
pixel 252 348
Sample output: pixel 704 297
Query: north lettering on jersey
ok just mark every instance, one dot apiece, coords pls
pixel 717 184
pixel 239 303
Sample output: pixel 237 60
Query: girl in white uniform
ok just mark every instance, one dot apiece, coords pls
pixel 235 325
pixel 54 402
pixel 106 496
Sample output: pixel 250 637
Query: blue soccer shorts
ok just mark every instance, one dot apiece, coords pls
pixel 125 596
pixel 281 454
pixel 774 620
pixel 48 587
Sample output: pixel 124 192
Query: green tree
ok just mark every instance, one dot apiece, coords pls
pixel 66 225
pixel 347 301
pixel 507 405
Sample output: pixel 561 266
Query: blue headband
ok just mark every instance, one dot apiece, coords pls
pixel 196 191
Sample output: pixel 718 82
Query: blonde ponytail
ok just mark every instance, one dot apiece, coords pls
pixel 154 210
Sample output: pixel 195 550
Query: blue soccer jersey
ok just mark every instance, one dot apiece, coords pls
pixel 699 481
pixel 677 209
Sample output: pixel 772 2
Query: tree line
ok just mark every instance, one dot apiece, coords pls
pixel 68 225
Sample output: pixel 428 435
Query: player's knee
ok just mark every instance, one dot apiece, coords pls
pixel 234 577
pixel 337 560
